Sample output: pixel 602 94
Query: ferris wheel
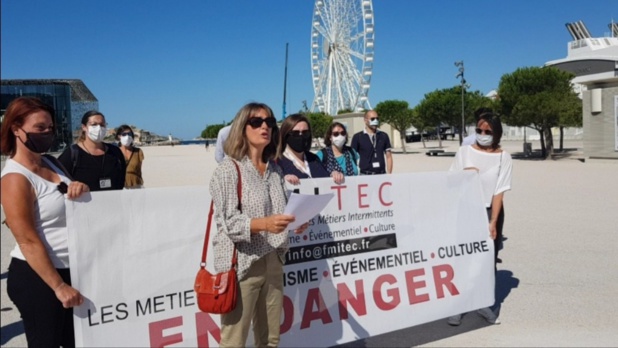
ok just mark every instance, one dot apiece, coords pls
pixel 342 43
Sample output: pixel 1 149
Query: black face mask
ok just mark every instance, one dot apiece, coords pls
pixel 38 142
pixel 299 143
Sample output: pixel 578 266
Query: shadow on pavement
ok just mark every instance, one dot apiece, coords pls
pixel 505 282
pixel 421 334
pixel 439 329
pixel 10 331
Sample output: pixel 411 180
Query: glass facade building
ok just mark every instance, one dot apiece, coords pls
pixel 69 98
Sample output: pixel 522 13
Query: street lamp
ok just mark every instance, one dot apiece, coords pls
pixel 460 75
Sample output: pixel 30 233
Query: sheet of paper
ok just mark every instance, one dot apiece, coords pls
pixel 305 207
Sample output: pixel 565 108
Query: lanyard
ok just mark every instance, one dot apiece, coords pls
pixel 374 141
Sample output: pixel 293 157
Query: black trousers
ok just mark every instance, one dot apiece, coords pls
pixel 499 226
pixel 46 322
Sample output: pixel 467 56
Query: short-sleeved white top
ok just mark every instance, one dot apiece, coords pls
pixel 495 169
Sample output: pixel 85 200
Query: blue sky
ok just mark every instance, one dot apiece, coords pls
pixel 176 66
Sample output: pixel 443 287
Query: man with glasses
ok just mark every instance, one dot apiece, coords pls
pixel 373 146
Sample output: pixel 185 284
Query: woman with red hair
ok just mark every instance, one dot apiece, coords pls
pixel 34 187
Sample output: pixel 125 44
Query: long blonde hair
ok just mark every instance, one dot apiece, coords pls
pixel 237 146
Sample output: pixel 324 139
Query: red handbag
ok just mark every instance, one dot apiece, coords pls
pixel 217 293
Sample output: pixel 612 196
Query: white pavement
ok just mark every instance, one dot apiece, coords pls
pixel 559 278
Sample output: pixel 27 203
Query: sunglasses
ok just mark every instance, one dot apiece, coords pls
pixel 486 132
pixel 256 122
pixel 63 188
pixel 126 133
pixel 336 134
pixel 374 118
pixel 297 133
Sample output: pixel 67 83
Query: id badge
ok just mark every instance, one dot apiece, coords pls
pixel 376 164
pixel 105 183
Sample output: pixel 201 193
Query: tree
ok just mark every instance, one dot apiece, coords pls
pixel 443 107
pixel 419 123
pixel 540 98
pixel 398 115
pixel 211 131
pixel 320 122
pixel 571 116
pixel 344 111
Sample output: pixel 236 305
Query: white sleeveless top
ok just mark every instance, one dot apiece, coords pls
pixel 49 213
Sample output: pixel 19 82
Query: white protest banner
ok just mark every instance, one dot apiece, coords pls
pixel 388 252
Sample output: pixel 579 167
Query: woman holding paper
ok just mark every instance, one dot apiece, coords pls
pixel 255 226
pixel 34 187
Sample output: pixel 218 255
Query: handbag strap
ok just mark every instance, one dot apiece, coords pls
pixel 210 213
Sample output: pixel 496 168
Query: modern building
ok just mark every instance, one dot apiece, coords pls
pixel 594 61
pixel 69 97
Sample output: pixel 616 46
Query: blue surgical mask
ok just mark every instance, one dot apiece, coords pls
pixel 374 122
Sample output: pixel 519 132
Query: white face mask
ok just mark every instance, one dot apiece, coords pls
pixel 126 140
pixel 484 139
pixel 97 133
pixel 339 141
pixel 374 123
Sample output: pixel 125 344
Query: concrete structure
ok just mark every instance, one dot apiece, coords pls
pixel 594 61
pixel 69 97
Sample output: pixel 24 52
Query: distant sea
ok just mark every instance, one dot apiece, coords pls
pixel 194 142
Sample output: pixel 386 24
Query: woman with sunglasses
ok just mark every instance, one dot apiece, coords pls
pixel 133 157
pixel 337 156
pixel 295 157
pixel 494 166
pixel 34 188
pixel 255 226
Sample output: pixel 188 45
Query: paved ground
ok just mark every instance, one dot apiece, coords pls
pixel 559 277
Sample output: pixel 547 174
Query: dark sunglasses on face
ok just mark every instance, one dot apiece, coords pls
pixel 62 187
pixel 126 133
pixel 256 122
pixel 297 133
pixel 487 131
pixel 336 134
pixel 374 118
